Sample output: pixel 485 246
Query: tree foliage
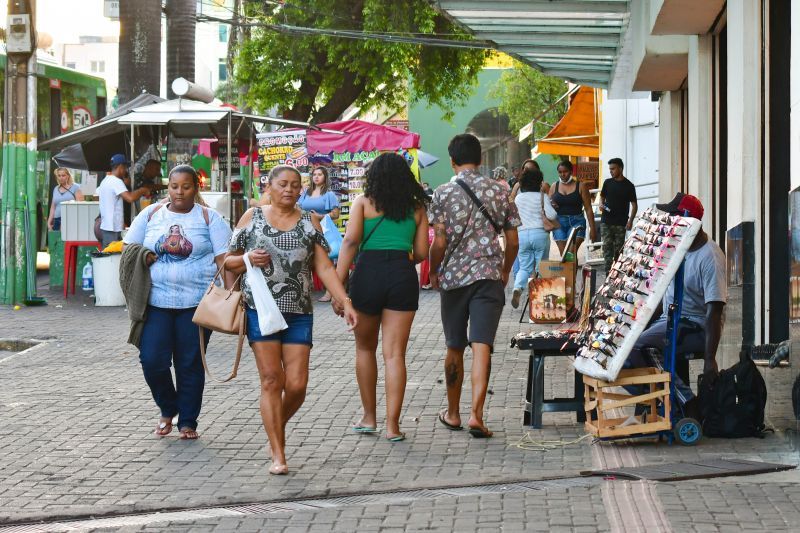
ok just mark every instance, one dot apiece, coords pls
pixel 318 77
pixel 525 93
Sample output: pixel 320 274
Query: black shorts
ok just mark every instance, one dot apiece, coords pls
pixel 479 306
pixel 384 279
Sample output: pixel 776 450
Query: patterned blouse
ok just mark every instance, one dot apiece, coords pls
pixel 288 274
pixel 473 250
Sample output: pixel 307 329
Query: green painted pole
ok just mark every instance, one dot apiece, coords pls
pixel 19 114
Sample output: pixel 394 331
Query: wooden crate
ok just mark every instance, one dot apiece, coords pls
pixel 599 399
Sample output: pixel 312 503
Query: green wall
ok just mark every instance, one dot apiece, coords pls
pixel 435 132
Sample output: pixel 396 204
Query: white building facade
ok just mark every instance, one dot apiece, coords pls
pixel 630 131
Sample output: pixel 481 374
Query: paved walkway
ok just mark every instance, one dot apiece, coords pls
pixel 76 441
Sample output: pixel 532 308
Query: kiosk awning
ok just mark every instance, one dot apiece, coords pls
pixel 577 133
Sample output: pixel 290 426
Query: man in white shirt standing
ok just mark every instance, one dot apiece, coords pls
pixel 111 192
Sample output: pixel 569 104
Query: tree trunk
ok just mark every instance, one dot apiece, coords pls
pixel 139 48
pixel 180 41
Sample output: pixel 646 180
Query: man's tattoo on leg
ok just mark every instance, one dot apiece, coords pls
pixel 451 374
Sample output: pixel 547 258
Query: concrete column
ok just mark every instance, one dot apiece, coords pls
pixel 744 111
pixel 745 187
pixel 669 145
pixel 794 73
pixel 701 150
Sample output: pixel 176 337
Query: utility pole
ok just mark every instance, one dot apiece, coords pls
pixel 19 149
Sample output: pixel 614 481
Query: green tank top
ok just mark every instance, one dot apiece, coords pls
pixel 390 235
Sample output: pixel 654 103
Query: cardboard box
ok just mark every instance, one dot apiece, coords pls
pixel 548 300
pixel 566 270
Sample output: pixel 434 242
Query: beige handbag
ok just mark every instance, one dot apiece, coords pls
pixel 221 310
pixel 547 224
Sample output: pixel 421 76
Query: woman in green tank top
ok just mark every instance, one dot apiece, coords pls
pixel 388 229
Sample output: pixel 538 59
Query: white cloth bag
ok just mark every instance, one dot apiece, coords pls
pixel 270 319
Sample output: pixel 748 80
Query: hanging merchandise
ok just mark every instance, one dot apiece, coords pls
pixel 632 291
pixel 344 148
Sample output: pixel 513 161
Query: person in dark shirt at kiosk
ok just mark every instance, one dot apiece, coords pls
pixel 704 296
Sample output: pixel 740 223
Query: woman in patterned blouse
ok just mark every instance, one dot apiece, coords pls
pixel 285 243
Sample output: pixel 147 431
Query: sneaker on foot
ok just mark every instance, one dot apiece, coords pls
pixel 515 298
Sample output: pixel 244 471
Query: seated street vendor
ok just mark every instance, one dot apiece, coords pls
pixel 704 297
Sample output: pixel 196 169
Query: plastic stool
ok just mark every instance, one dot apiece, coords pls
pixel 71 261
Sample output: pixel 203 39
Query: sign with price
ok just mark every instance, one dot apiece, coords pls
pixel 81 117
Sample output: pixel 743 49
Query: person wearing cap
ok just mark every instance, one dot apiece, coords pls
pixel 618 209
pixel 111 192
pixel 150 176
pixel 705 293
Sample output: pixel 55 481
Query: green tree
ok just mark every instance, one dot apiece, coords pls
pixel 317 77
pixel 525 93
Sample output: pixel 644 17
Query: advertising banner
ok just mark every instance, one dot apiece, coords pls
pixel 281 148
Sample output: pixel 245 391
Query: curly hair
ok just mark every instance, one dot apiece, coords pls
pixel 393 188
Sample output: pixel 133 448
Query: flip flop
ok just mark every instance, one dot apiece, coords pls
pixel 397 438
pixel 448 425
pixel 365 429
pixel 163 429
pixel 480 433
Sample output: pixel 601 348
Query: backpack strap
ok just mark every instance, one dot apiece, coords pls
pixel 205 214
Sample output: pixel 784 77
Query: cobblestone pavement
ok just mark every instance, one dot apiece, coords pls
pixel 76 441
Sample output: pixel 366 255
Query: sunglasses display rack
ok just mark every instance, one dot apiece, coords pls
pixel 632 291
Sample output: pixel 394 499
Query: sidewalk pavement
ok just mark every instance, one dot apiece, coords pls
pixel 77 441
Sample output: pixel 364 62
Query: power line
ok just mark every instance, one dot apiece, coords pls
pixel 357 34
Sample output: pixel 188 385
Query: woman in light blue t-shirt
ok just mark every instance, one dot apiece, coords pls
pixel 66 191
pixel 320 200
pixel 188 244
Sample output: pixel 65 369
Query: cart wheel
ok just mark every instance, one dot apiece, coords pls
pixel 688 431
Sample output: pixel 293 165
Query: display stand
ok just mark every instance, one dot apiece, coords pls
pixel 633 290
pixel 668 420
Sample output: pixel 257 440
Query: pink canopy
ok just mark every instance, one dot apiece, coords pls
pixel 361 136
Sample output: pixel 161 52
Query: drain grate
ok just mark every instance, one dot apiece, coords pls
pixel 310 504
pixel 694 470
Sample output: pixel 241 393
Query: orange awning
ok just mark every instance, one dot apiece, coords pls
pixel 577 133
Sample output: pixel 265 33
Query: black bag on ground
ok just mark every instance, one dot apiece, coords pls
pixel 732 406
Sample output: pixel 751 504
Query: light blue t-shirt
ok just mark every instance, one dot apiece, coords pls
pixel 703 280
pixel 186 247
pixel 322 204
pixel 65 196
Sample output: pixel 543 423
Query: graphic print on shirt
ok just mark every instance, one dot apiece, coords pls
pixel 174 246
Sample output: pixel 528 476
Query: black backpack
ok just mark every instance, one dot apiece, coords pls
pixel 732 406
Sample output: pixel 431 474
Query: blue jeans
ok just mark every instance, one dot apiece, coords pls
pixel 567 223
pixel 534 244
pixel 170 337
pixel 693 341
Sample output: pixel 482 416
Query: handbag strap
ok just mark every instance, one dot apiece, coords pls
pixel 235 370
pixel 383 217
pixel 481 206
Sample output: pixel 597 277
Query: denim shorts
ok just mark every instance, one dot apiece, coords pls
pixel 299 330
pixel 567 223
